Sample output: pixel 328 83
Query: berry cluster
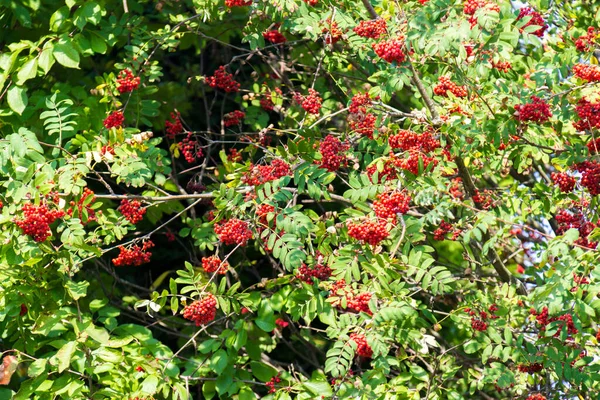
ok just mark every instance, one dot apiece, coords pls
pixel 310 103
pixel 135 255
pixel 84 203
pixel 478 318
pixel 590 176
pixel 443 229
pixel 585 43
pixel 311 2
pixel 471 6
pixel 332 32
pixel 223 80
pixel 391 50
pixel 594 146
pixel 503 66
pixel 363 124
pixel 536 19
pixel 456 189
pixel 233 231
pixel 274 36
pixel 319 271
pixel 127 82
pixel 37 219
pixel 530 368
pixel 590 73
pixel 132 210
pixel 543 320
pixel 272 382
pixel 190 148
pixel 589 115
pixel 282 323
pixel 266 102
pixel 483 200
pixel 362 347
pixel 357 303
pixel 201 311
pixel 233 118
pixel 360 103
pixel 564 181
pixel 388 171
pixel 260 174
pixel 445 85
pixel 579 280
pixel 389 205
pixel 114 120
pixel 234 156
pixel 414 158
pixel 174 127
pixel 194 186
pixel 368 231
pixel 238 3
pixel 536 396
pixel 332 153
pixel 214 264
pixel 262 210
pixel 575 220
pixel 408 140
pixel 372 29
pixel 537 111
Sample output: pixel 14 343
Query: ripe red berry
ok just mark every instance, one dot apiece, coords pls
pixel 391 50
pixel 134 255
pixel 332 153
pixel 223 80
pixel 37 219
pixel 536 396
pixel 260 174
pixel 274 36
pixel 132 210
pixel 319 271
pixel 126 82
pixel 310 103
pixel 233 118
pixel 84 203
pixel 372 28
pixel 389 204
pixel 530 368
pixel 233 231
pixel 114 120
pixel 360 103
pixel 587 72
pixel 340 291
pixel 408 140
pixel 536 19
pixel 362 347
pixel 537 111
pixel 238 3
pixel 174 127
pixel 201 311
pixel 190 148
pixel 589 115
pixel 565 182
pixel 594 146
pixel 445 85
pixel 363 124
pixel 331 32
pixel 368 231
pixel 214 264
pixel 272 382
pixel 586 42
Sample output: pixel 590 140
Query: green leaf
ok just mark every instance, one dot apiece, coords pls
pixel 37 367
pixel 150 384
pixel 17 99
pixel 46 58
pixel 27 71
pixel 262 372
pixel 66 55
pixel 77 290
pixel 64 355
pixel 318 388
pixel 58 18
pixel 219 361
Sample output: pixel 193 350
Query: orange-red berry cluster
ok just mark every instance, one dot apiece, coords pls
pixel 536 19
pixel 333 153
pixel 274 36
pixel 536 396
pixel 223 80
pixel 201 311
pixel 262 211
pixel 537 111
pixel 445 85
pixel 238 3
pixel 408 140
pixel 585 43
pixel 132 210
pixel 319 271
pixel 503 66
pixel 174 127
pixel 564 181
pixel 483 200
pixel 543 320
pixel 470 6
pixel 372 29
pixel 190 148
pixel 272 382
pixel 233 231
pixel 114 120
pixel 260 174
pixel 589 115
pixel 363 124
pixel 37 219
pixel 530 368
pixel 590 176
pixel 311 2
pixel 478 319
pixel 391 50
pixel 360 103
pixel 234 156
pixel 576 220
pixel 266 102
pixel 587 72
pixel 310 103
pixel 368 231
pixel 389 204
pixel 445 228
pixel 332 32
pixel 84 203
pixel 133 256
pixel 214 264
pixel 362 347
pixel 354 302
pixel 233 118
pixel 594 146
pixel 127 82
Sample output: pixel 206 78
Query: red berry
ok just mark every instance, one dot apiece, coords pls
pixel 114 120
pixel 127 82
pixel 332 153
pixel 190 148
pixel 274 36
pixel 214 264
pixel 233 231
pixel 37 219
pixel 391 50
pixel 586 42
pixel 223 80
pixel 368 231
pixel 174 127
pixel 134 255
pixel 238 3
pixel 565 182
pixel 589 115
pixel 201 311
pixel 362 347
pixel 372 29
pixel 310 103
pixel 260 174
pixel 132 210
pixel 445 85
pixel 536 19
pixel 590 73
pixel 389 205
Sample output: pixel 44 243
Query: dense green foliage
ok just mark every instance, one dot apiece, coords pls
pixel 299 199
